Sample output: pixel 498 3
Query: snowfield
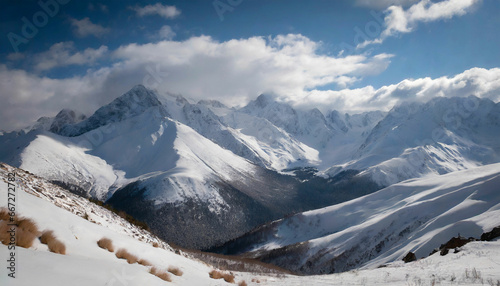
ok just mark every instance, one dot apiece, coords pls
pixel 477 263
pixel 416 215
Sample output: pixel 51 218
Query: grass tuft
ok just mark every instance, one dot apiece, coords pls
pixel 216 274
pixel 160 274
pixel 47 236
pixel 106 243
pixel 4 214
pixel 144 262
pixel 56 246
pixel 27 225
pixel 4 235
pixel 124 254
pixel 25 232
pixel 176 271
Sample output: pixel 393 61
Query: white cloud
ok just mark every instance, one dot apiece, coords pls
pixel 383 4
pixel 26 97
pixel 166 11
pixel 85 27
pixel 399 20
pixel 166 33
pixel 234 72
pixel 65 54
pixel 480 82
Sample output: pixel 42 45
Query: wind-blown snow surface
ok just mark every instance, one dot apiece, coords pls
pixel 86 264
pixel 417 215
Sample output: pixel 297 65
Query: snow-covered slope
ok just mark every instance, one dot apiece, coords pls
pixel 437 137
pixel 84 263
pixel 250 137
pixel 417 215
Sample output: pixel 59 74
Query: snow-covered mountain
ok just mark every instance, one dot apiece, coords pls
pixel 413 216
pixel 135 155
pixel 437 137
pixel 213 172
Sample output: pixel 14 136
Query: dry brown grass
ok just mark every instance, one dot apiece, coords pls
pixel 25 238
pixel 4 235
pixel 47 236
pixel 106 243
pixel 155 244
pixel 242 283
pixel 144 262
pixel 26 231
pixel 56 246
pixel 228 277
pixel 27 226
pixel 52 242
pixel 4 214
pixel 216 274
pixel 124 254
pixel 160 274
pixel 255 280
pixel 176 271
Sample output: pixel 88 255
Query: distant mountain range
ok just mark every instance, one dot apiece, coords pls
pixel 201 174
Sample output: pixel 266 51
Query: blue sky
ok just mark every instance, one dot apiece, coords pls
pixel 346 55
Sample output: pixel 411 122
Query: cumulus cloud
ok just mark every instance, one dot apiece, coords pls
pixel 26 96
pixel 166 11
pixel 399 20
pixel 233 72
pixel 484 83
pixel 65 54
pixel 84 28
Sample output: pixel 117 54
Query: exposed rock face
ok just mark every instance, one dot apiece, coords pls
pixel 489 236
pixel 410 257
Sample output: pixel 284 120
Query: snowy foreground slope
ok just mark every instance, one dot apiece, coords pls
pixel 478 263
pixel 416 215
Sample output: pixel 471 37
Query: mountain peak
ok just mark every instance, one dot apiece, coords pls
pixel 138 96
pixel 65 117
pixel 212 103
pixel 263 100
pixel 132 103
